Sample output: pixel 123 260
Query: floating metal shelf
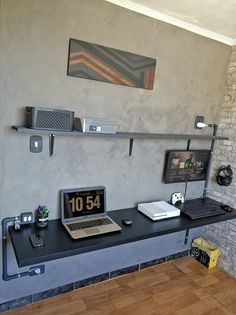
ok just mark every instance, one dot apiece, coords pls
pixel 128 135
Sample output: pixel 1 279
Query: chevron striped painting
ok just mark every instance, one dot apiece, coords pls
pixel 96 62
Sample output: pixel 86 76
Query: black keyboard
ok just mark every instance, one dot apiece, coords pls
pixel 89 224
pixel 199 213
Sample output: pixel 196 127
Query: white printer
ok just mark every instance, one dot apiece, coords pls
pixel 158 210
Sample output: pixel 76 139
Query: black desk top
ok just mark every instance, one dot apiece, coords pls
pixel 58 243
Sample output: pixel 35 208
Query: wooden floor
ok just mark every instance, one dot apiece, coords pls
pixel 182 287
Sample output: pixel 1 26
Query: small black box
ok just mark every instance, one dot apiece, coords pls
pixel 49 119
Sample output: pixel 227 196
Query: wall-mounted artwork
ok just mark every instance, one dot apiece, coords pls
pixel 96 62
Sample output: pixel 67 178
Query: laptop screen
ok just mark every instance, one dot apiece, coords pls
pixel 82 202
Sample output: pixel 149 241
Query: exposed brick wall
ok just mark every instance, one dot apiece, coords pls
pixel 224 234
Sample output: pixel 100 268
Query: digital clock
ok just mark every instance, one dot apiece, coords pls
pixel 84 202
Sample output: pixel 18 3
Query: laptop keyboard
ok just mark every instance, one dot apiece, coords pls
pixel 89 224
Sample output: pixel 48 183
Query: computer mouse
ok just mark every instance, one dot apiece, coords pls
pixel 127 221
pixel 226 208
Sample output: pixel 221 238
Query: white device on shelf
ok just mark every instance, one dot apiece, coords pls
pixel 95 125
pixel 158 210
pixel 177 197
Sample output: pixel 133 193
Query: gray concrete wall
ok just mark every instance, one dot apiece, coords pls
pixel 34 46
pixel 223 234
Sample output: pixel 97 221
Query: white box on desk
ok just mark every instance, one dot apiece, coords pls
pixel 158 210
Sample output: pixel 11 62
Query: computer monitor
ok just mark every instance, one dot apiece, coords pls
pixel 185 165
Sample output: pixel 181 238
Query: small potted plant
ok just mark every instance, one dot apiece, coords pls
pixel 42 216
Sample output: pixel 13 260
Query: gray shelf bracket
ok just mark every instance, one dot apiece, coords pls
pixel 131 142
pixel 188 144
pixel 186 237
pixel 51 144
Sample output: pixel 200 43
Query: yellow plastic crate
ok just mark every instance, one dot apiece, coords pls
pixel 204 252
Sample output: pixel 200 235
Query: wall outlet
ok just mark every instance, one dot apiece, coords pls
pixel 36 270
pixel 26 217
pixel 197 120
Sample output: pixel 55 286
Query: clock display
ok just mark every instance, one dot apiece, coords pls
pixel 83 203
